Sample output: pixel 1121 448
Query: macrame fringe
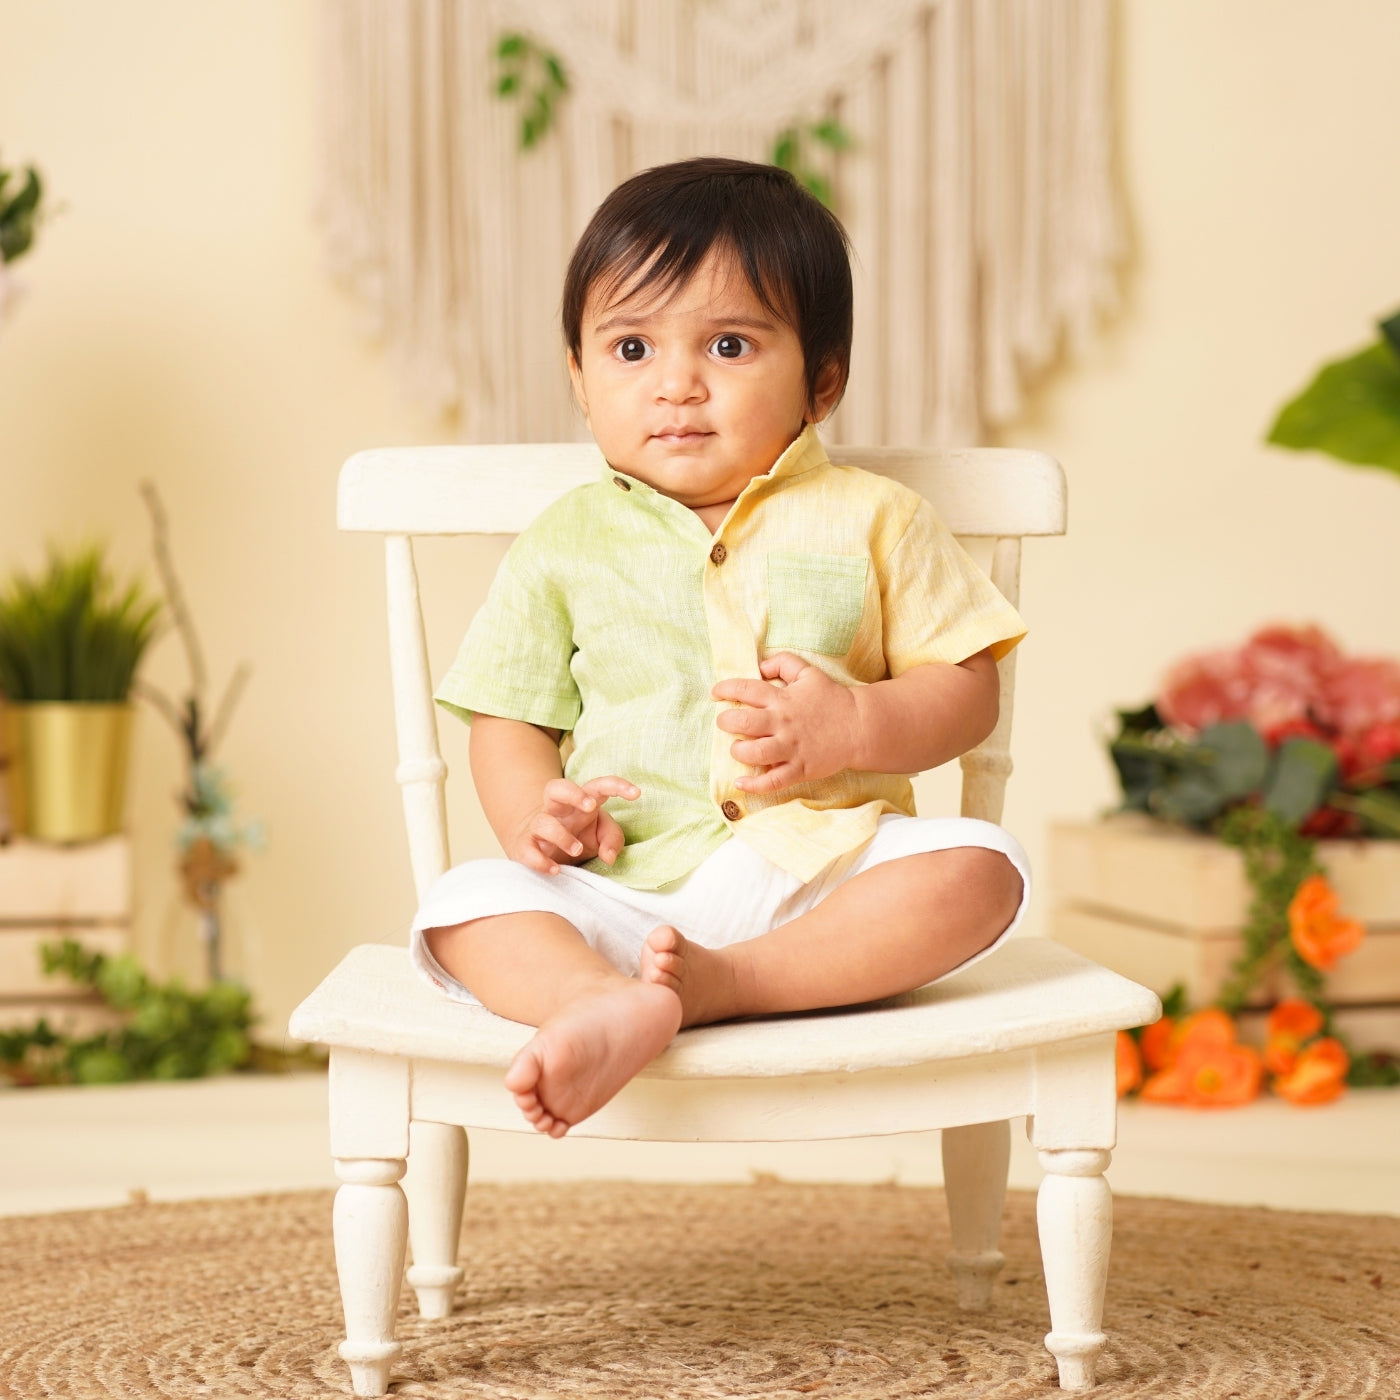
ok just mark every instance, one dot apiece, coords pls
pixel 979 193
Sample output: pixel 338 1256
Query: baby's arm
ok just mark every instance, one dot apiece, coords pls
pixel 811 726
pixel 541 818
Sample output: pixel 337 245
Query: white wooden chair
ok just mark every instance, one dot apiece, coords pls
pixel 1028 1031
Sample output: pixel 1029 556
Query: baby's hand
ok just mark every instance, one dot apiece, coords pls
pixel 805 729
pixel 570 825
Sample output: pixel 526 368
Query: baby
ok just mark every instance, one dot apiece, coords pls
pixel 749 650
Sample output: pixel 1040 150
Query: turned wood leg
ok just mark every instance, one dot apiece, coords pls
pixel 1075 1213
pixel 371 1230
pixel 435 1186
pixel 975 1160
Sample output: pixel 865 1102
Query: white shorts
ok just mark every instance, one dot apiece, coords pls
pixel 733 895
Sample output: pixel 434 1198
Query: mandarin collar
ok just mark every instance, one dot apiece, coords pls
pixel 802 454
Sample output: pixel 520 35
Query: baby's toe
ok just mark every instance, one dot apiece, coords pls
pixel 665 939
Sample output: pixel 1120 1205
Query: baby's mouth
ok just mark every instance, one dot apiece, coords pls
pixel 681 436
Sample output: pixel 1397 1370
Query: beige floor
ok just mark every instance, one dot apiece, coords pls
pixel 66 1149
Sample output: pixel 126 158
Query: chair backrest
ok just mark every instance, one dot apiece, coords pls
pixel 1000 494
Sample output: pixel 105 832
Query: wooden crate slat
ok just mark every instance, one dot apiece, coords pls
pixel 72 1016
pixel 20 972
pixel 46 882
pixel 1150 872
pixel 1159 958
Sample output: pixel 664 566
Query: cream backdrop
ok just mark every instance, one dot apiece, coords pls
pixel 180 324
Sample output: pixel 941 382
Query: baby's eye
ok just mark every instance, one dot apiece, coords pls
pixel 632 349
pixel 731 347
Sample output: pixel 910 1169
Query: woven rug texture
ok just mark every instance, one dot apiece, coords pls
pixel 622 1290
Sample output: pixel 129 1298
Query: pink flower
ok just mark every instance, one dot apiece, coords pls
pixel 1203 690
pixel 1360 694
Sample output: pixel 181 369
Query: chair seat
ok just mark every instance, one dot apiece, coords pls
pixel 1029 992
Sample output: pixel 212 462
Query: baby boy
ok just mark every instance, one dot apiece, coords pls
pixel 699 684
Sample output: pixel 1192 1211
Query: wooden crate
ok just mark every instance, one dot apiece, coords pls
pixel 49 893
pixel 1164 906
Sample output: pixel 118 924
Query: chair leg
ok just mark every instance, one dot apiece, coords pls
pixel 435 1186
pixel 975 1160
pixel 371 1228
pixel 1075 1212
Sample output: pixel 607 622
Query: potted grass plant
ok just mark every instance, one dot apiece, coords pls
pixel 70 643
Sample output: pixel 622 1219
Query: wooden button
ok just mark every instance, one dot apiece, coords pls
pixel 718 554
pixel 622 482
pixel 731 810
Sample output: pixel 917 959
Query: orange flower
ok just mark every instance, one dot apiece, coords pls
pixel 1129 1064
pixel 1210 1069
pixel 1291 1023
pixel 1155 1043
pixel 1319 1076
pixel 1318 934
pixel 1211 1029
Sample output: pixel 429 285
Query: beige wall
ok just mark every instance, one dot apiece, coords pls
pixel 180 325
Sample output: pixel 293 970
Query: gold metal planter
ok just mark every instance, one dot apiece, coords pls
pixel 68 764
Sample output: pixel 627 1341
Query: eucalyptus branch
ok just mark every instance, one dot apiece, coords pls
pixel 174 594
pixel 232 694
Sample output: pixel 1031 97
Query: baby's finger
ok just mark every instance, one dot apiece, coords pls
pixel 610 785
pixel 782 666
pixel 745 720
pixel 742 689
pixel 561 796
pixel 537 856
pixel 760 753
pixel 774 780
pixel 544 827
pixel 610 838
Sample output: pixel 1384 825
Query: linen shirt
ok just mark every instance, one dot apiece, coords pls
pixel 616 610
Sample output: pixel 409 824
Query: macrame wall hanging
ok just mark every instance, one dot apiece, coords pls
pixel 978 187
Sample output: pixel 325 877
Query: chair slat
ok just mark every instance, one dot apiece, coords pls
pixel 983 492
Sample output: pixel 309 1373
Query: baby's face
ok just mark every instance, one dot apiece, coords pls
pixel 695 392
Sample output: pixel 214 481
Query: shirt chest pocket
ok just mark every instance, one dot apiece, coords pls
pixel 815 601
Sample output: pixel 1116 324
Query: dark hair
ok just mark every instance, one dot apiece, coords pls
pixel 654 231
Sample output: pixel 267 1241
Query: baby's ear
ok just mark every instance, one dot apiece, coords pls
pixel 576 379
pixel 831 383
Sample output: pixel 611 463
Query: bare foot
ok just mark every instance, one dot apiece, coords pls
pixel 703 978
pixel 586 1052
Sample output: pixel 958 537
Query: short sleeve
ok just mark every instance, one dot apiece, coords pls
pixel 514 660
pixel 938 605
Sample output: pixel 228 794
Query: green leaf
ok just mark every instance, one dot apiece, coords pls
pixel 1302 776
pixel 511 45
pixel 1390 329
pixel 101 1065
pixel 507 84
pixel 785 149
pixel 1191 797
pixel 1351 410
pixel 1239 758
pixel 1378 807
pixel 831 133
pixel 555 69
pixel 818 184
pixel 1139 721
pixel 1174 1001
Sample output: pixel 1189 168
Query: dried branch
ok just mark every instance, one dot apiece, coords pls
pixel 161 702
pixel 227 705
pixel 174 594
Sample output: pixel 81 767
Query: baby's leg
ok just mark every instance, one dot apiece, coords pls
pixel 597 1027
pixel 887 930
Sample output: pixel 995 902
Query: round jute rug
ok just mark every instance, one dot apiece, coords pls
pixel 622 1290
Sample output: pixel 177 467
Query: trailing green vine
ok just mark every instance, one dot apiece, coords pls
pixel 166 1031
pixel 534 77
pixel 791 152
pixel 1277 859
